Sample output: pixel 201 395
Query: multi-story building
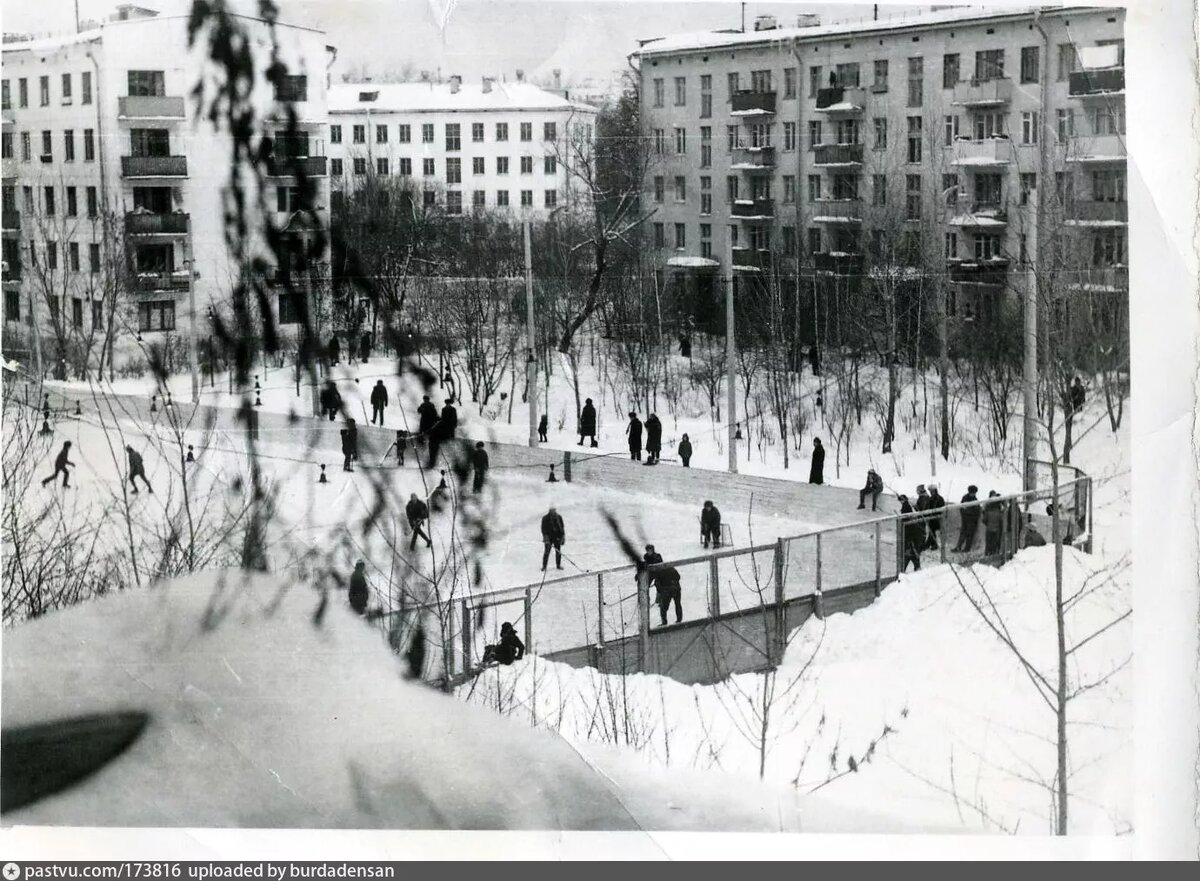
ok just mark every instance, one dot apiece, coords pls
pixel 824 144
pixel 109 174
pixel 466 146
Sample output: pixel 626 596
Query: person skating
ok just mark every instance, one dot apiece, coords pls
pixel 816 472
pixel 587 423
pixel 685 451
pixel 710 524
pixel 668 590
pixel 427 417
pixel 379 400
pixel 914 536
pixel 969 523
pixel 401 446
pixel 480 460
pixel 653 439
pixel 634 431
pixel 347 450
pixel 330 400
pixel 543 427
pixel 137 468
pixel 936 504
pixel 507 650
pixel 873 488
pixel 61 462
pixel 359 594
pixel 554 533
pixel 417 513
pixel 352 432
pixel 993 524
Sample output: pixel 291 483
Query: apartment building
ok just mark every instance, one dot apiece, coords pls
pixel 466 146
pixel 821 144
pixel 105 165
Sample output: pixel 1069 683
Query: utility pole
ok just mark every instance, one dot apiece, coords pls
pixel 193 355
pixel 1030 373
pixel 530 362
pixel 311 308
pixel 730 365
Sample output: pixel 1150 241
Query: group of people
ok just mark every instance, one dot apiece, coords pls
pixel 137 468
pixel 653 431
pixel 334 350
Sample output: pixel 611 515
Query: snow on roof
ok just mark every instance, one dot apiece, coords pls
pixel 434 97
pixel 693 262
pixel 841 107
pixel 55 41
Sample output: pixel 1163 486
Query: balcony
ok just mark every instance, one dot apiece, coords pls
pixel 150 107
pixel 838 262
pixel 153 282
pixel 837 211
pixel 983 93
pixel 1097 149
pixel 139 224
pixel 753 159
pixel 1093 213
pixel 154 166
pixel 1089 83
pixel 992 272
pixel 838 154
pixel 752 103
pixel 754 209
pixel 841 100
pixel 292 166
pixel 749 259
pixel 978 214
pixel 1102 280
pixel 12 220
pixel 989 151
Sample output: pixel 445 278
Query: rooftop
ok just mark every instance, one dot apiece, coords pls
pixel 418 97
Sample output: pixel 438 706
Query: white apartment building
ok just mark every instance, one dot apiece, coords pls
pixel 100 129
pixel 467 146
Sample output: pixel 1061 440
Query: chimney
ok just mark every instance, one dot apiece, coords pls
pixel 455 84
pixel 487 84
pixel 520 76
pixel 808 20
pixel 765 23
pixel 557 78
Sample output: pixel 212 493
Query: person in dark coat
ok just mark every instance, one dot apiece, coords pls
pixel 401 446
pixel 379 400
pixel 936 503
pixel 653 439
pixel 137 468
pixel 651 556
pixel 352 432
pixel 448 421
pixel 335 350
pixel 1030 537
pixel 347 450
pixel 668 590
pixel 415 655
pixel 914 536
pixel 330 400
pixel 61 462
pixel 480 460
pixel 710 524
pixel 969 521
pixel 816 473
pixel 922 502
pixel 634 431
pixel 685 451
pixel 993 525
pixel 508 649
pixel 417 513
pixel 873 488
pixel 543 427
pixel 814 360
pixel 364 348
pixel 1076 396
pixel 358 588
pixel 554 533
pixel 685 345
pixel 427 415
pixel 587 423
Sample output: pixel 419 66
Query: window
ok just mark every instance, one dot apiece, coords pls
pixel 760 81
pixel 789 136
pixel 951 245
pixel 733 235
pixel 680 235
pixel 23 92
pixel 814 187
pixel 912 197
pixel 549 165
pixel 551 198
pixel 881 133
pixel 52 255
pixel 91 202
pixel 706 240
pixel 659 92
pixel 1028 186
pixel 381 166
pixel 989 125
pixel 789 241
pixel 5 96
pixel 733 85
pixel 6 145
pixel 156 315
pixel 814 133
pixel 453 170
pixel 1031 62
pixel 1108 186
pixel 847 75
pixel 89 145
pixel 879 190
pixel 146 83
pixel 66 88
pixel 989 189
pixel 526 198
pixel 914 139
pixel 72 203
pixel 287 198
pixel 48 201
pixel 150 142
pixel 428 167
pixel 705 96
pixel 453 136
pixel 731 188
pixel 291 308
pixel 950 188
pixel 1068 61
pixel 847 131
pixel 454 202
pixel 733 137
pixel 26 147
pixel 12 305
pixel 69 145
pixel 950 71
pixel 527 131
pixel 680 91
pixel 360 165
pixel 477 138
pixel 680 140
pixel 1030 122
pixel 789 82
pixel 429 199
pixel 292 87
pixel 526 165
pixel 427 133
pixel 28 193
pixel 85 87
pixel 93 257
pixel 760 136
pixel 987 247
pixel 1108 248
pixel 47 146
pixel 680 188
pixel 989 64
pixel 478 198
pixel 951 130
pixel 44 86
pixel 73 256
pixel 76 313
pixel 501 165
pixel 335 167
pixel 916 84
pixel 1108 119
pixel 405 133
pixel 660 236
pixel 845 186
pixel 789 188
pixel 881 75
pixel 359 134
pixel 660 141
pixel 477 165
pixel 335 134
pixel 814 80
pixel 501 198
pixel 1064 187
pixel 1064 120
pixel 502 131
pixel 814 240
pixel 406 167
pixel 706 195
pixel 381 134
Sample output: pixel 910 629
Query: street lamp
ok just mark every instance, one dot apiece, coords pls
pixel 531 360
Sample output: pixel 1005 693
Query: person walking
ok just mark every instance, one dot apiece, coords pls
pixel 1077 397
pixel 427 417
pixel 710 524
pixel 347 450
pixel 969 521
pixel 448 421
pixel 587 423
pixel 401 446
pixel 330 400
pixel 352 432
pixel 61 463
pixel 543 427
pixel 653 439
pixel 137 468
pixel 873 488
pixel 480 460
pixel 554 533
pixel 417 513
pixel 816 473
pixel 335 350
pixel 685 451
pixel 359 593
pixel 634 431
pixel 668 590
pixel 993 524
pixel 379 400
pixel 936 504
pixel 814 360
pixel 914 536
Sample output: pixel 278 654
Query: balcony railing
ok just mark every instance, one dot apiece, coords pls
pixel 1088 211
pixel 983 93
pixel 749 158
pixel 1114 279
pixel 754 208
pixel 12 219
pixel 1097 149
pixel 838 154
pixel 154 166
pixel 150 107
pixel 288 166
pixel 1097 82
pixel 978 213
pixel 137 224
pixel 749 258
pixel 837 211
pixel 748 103
pixel 985 272
pixel 838 262
pixel 989 151
pixel 148 282
pixel 841 99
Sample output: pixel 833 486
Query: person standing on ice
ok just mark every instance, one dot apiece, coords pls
pixel 352 432
pixel 634 431
pixel 379 400
pixel 554 533
pixel 993 524
pixel 330 400
pixel 710 524
pixel 668 590
pixel 685 451
pixel 61 462
pixel 347 450
pixel 873 488
pixel 653 439
pixel 417 513
pixel 359 594
pixel 427 416
pixel 480 460
pixel 816 472
pixel 914 536
pixel 969 523
pixel 137 469
pixel 587 423
pixel 543 427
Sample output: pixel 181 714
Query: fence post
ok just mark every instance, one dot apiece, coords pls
pixel 780 609
pixel 466 637
pixel 643 587
pixel 878 558
pixel 899 521
pixel 1091 524
pixel 714 587
pixel 817 605
pixel 600 609
pixel 529 619
pixel 942 530
pixel 567 466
